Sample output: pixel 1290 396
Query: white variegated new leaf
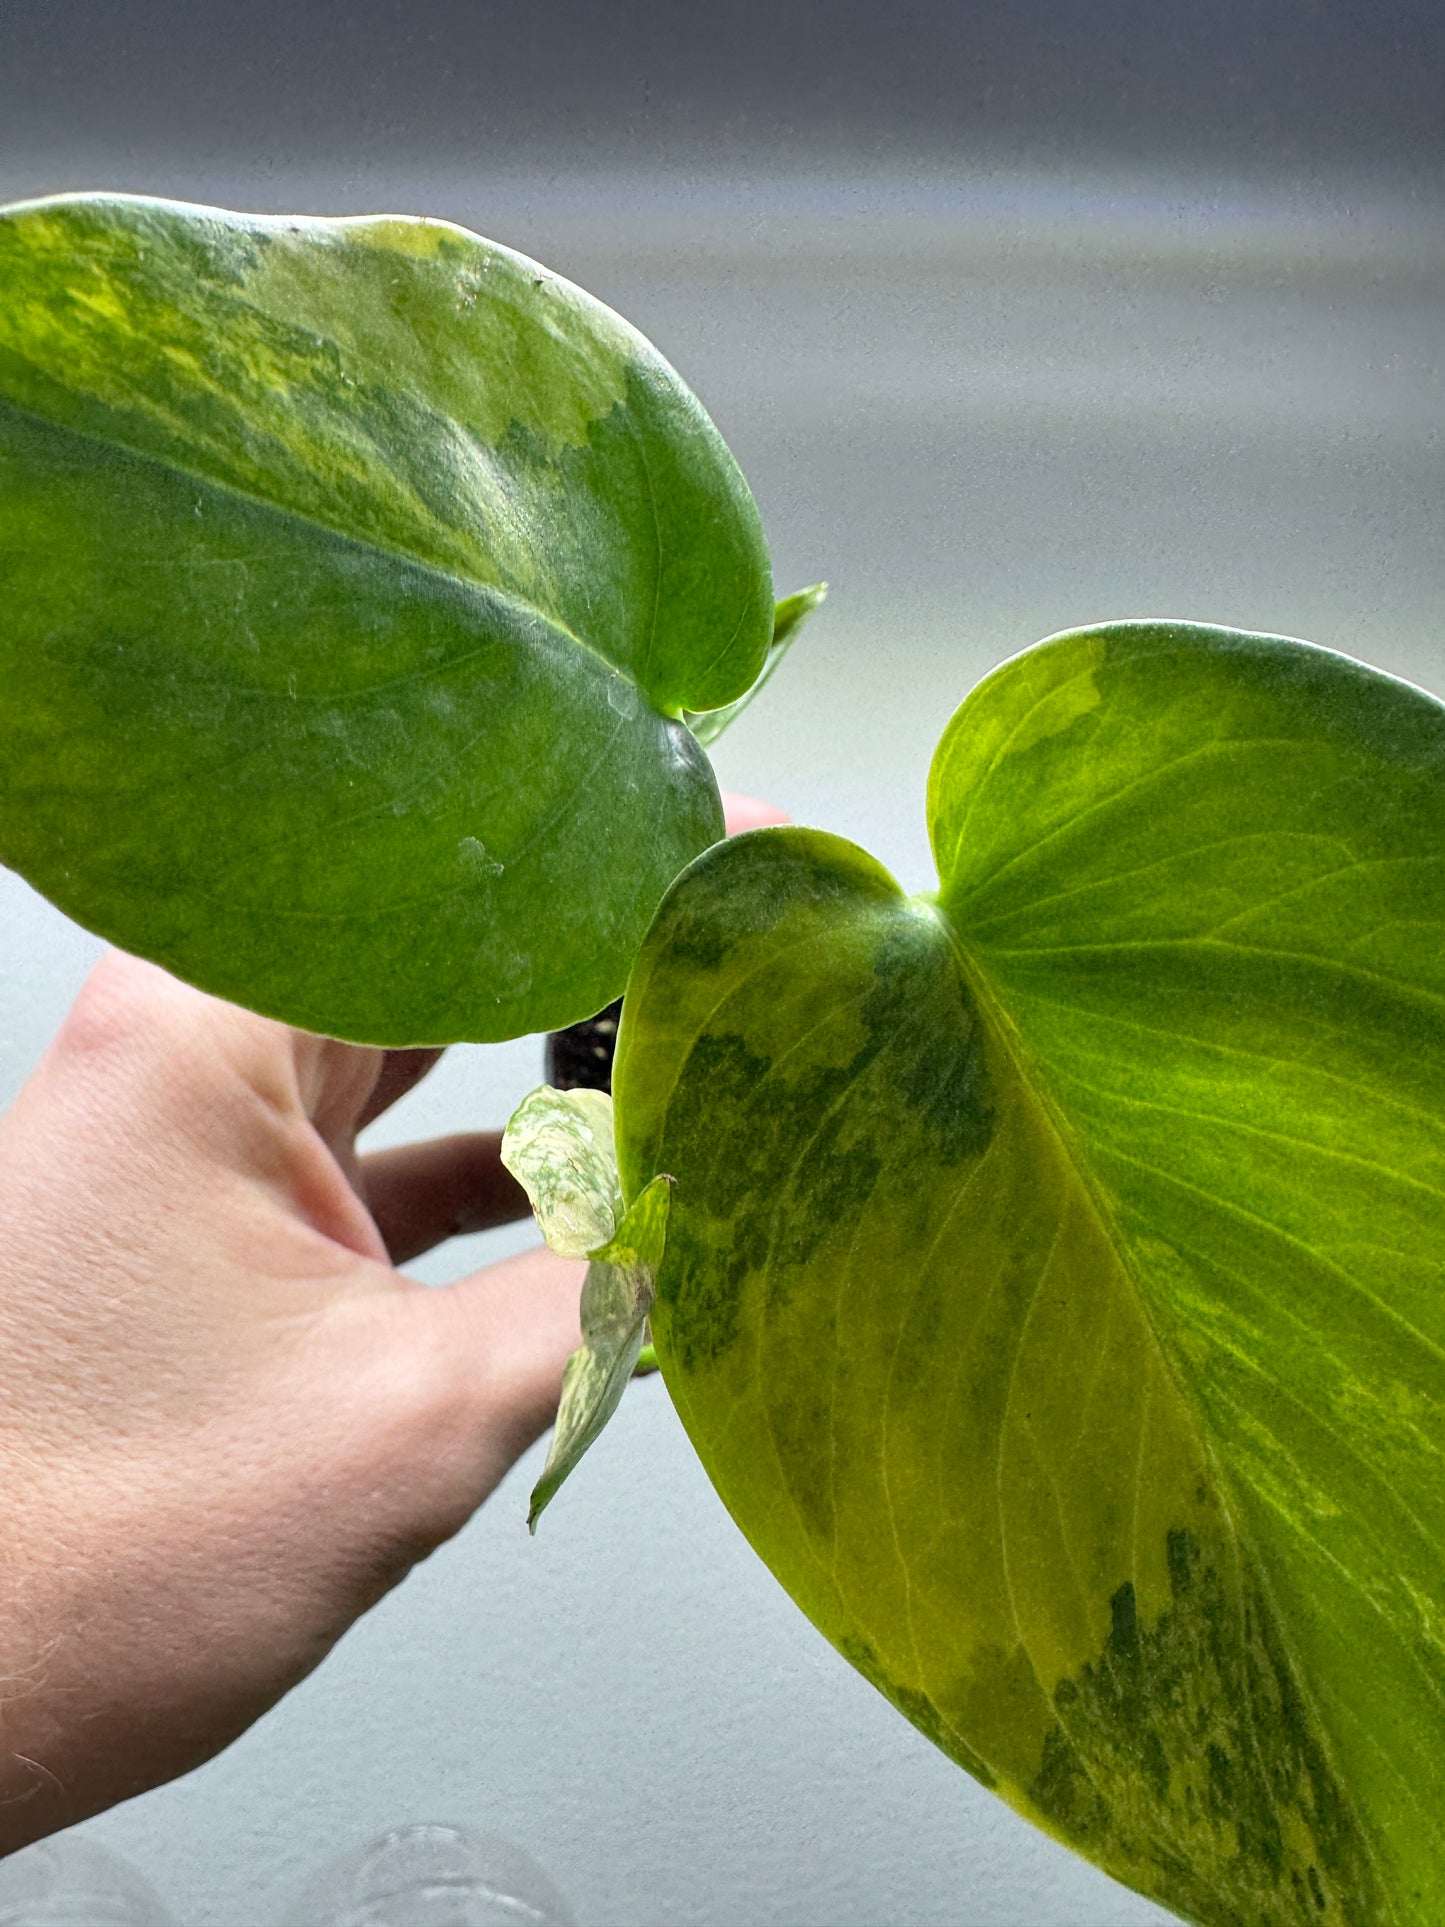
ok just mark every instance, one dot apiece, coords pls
pixel 558 1146
pixel 616 1299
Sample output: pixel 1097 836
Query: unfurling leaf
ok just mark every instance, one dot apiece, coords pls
pixel 789 616
pixel 558 1146
pixel 616 1299
pixel 1090 1217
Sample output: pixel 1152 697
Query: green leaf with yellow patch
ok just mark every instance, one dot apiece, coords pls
pixel 355 579
pixel 1055 1278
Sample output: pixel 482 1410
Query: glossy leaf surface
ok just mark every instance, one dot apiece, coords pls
pixel 354 579
pixel 1055 1279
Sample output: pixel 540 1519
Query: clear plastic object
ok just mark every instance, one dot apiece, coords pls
pixel 73 1882
pixel 432 1876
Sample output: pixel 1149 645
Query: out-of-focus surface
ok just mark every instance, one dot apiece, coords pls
pixel 985 406
pixel 1278 90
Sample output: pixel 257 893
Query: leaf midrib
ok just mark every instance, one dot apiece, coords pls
pixel 1036 1086
pixel 1022 1063
pixel 365 546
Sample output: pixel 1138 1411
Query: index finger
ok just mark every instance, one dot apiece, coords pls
pixel 747 813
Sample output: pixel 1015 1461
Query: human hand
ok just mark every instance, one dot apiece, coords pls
pixel 228 1425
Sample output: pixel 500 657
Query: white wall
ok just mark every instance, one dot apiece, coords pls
pixel 985 410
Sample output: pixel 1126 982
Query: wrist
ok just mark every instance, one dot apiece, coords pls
pixel 35 1797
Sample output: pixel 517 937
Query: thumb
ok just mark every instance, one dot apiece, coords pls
pixel 491 1350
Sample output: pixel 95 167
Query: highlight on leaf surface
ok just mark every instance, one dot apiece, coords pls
pixel 1088 1215
pixel 358 577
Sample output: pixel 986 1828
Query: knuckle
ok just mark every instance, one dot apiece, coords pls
pixel 111 1013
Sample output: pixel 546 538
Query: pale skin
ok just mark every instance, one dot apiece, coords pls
pixel 228 1423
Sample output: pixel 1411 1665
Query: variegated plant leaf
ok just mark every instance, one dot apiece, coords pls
pixel 617 1296
pixel 355 578
pixel 1055 1279
pixel 558 1146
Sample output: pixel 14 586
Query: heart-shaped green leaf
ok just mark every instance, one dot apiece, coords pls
pixel 1055 1278
pixel 355 577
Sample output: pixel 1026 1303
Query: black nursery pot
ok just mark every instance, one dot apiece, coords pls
pixel 580 1057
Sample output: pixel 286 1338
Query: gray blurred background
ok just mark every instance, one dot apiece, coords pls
pixel 1017 317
